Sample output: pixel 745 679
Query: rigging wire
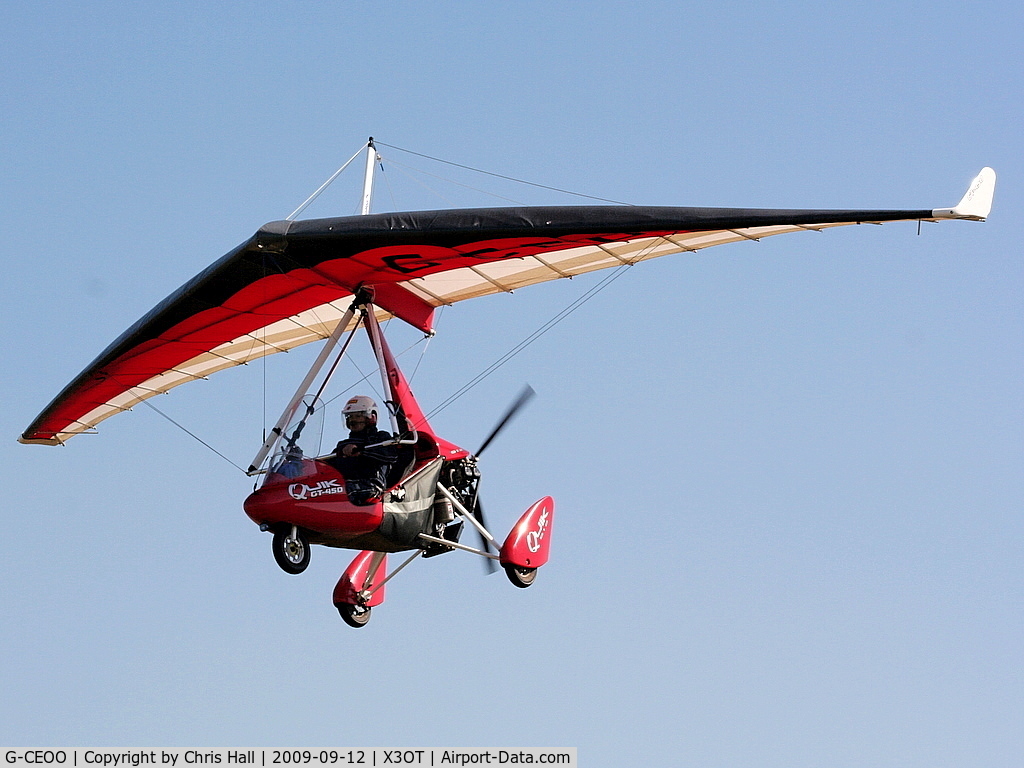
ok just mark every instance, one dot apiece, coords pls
pixel 547 326
pixel 500 176
pixel 366 376
pixel 263 361
pixel 324 186
pixel 426 340
pixel 450 181
pixel 193 435
pixel 387 182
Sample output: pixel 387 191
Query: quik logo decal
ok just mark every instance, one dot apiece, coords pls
pixel 301 491
pixel 533 538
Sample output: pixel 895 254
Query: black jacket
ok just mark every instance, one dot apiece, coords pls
pixel 368 463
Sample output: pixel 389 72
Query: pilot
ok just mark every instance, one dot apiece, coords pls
pixel 362 462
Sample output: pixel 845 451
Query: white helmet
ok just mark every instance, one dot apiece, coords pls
pixel 360 404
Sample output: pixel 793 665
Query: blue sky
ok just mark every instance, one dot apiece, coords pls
pixel 787 473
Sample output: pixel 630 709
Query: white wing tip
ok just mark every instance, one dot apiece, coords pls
pixel 39 441
pixel 976 202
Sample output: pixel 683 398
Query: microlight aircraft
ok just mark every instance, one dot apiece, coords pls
pixel 325 280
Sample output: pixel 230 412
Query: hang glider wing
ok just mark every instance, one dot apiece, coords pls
pixel 292 281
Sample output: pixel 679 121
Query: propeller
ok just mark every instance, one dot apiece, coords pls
pixel 478 511
pixel 524 397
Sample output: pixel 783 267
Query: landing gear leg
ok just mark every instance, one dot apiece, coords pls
pixel 291 550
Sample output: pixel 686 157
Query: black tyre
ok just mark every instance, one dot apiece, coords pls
pixel 354 615
pixel 521 577
pixel 291 552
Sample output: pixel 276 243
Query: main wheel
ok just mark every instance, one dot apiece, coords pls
pixel 521 577
pixel 354 615
pixel 291 550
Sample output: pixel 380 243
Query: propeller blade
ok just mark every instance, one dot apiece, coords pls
pixel 485 545
pixel 523 399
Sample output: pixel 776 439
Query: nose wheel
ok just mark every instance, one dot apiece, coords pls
pixel 291 550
